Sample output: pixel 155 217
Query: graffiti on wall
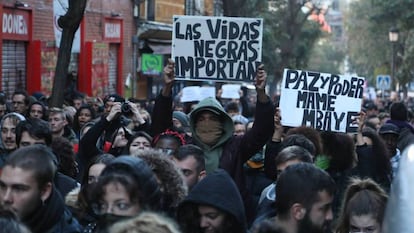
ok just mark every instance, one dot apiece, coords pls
pixel 49 59
pixel 100 59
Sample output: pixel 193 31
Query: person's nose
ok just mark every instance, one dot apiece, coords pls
pixel 329 215
pixel 203 222
pixel 8 197
pixel 109 210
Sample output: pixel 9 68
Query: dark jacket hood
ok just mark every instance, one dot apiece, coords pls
pixel 142 173
pixel 212 105
pixel 218 190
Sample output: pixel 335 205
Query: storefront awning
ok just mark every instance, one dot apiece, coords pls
pixel 154 30
pixel 159 48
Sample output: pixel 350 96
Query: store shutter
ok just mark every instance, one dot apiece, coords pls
pixel 13 66
pixel 113 68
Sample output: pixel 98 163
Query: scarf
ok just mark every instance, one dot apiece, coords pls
pixel 47 214
pixel 209 132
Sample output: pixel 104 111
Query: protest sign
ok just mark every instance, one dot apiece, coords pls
pixel 216 48
pixel 207 91
pixel 196 93
pixel 323 101
pixel 230 91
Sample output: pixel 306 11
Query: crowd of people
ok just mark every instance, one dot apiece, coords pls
pixel 117 165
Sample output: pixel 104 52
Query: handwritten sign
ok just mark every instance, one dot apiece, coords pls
pixel 323 101
pixel 216 48
pixel 197 93
pixel 230 91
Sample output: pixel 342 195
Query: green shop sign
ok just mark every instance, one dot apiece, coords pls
pixel 151 64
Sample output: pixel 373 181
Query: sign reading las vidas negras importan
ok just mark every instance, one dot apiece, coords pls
pixel 322 101
pixel 216 48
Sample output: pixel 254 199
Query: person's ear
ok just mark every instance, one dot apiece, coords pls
pixel 45 192
pixel 298 211
pixel 201 175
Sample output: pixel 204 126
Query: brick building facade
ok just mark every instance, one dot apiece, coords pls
pixel 101 53
pixel 107 49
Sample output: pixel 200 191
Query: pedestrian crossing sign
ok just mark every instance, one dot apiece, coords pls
pixel 384 82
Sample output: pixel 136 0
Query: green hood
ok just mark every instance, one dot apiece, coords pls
pixel 211 104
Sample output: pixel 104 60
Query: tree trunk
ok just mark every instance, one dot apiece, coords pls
pixel 69 23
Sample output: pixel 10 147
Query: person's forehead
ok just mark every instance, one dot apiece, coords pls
pixel 188 162
pixel 204 209
pixel 55 114
pixel 36 106
pixel 84 111
pixel 18 96
pixel 140 139
pixel 167 142
pixel 26 136
pixel 239 125
pixel 324 198
pixel 206 113
pixel 109 103
pixel 9 123
pixel 365 220
pixel 115 188
pixel 16 175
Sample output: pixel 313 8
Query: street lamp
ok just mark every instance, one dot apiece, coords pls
pixel 393 37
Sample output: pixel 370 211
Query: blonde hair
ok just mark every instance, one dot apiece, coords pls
pixel 146 222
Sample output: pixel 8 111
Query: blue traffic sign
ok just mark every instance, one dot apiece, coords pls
pixel 383 82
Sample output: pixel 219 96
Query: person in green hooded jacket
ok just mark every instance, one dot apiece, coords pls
pixel 212 130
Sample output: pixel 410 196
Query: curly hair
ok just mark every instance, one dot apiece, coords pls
pixel 146 222
pixel 310 133
pixel 76 126
pixel 172 184
pixel 63 150
pixel 340 148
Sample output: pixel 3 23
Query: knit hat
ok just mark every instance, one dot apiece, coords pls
pixel 182 117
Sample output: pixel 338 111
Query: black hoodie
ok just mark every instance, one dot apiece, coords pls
pixel 217 190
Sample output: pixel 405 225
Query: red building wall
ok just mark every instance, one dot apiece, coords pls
pixel 42 40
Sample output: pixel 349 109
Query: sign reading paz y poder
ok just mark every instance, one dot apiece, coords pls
pixel 216 48
pixel 322 101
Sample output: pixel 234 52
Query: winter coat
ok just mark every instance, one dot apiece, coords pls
pixel 233 151
pixel 52 217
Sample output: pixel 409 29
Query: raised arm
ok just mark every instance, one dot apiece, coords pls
pixel 262 129
pixel 162 112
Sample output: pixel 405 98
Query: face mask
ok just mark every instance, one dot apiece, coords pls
pixel 209 132
pixel 107 220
